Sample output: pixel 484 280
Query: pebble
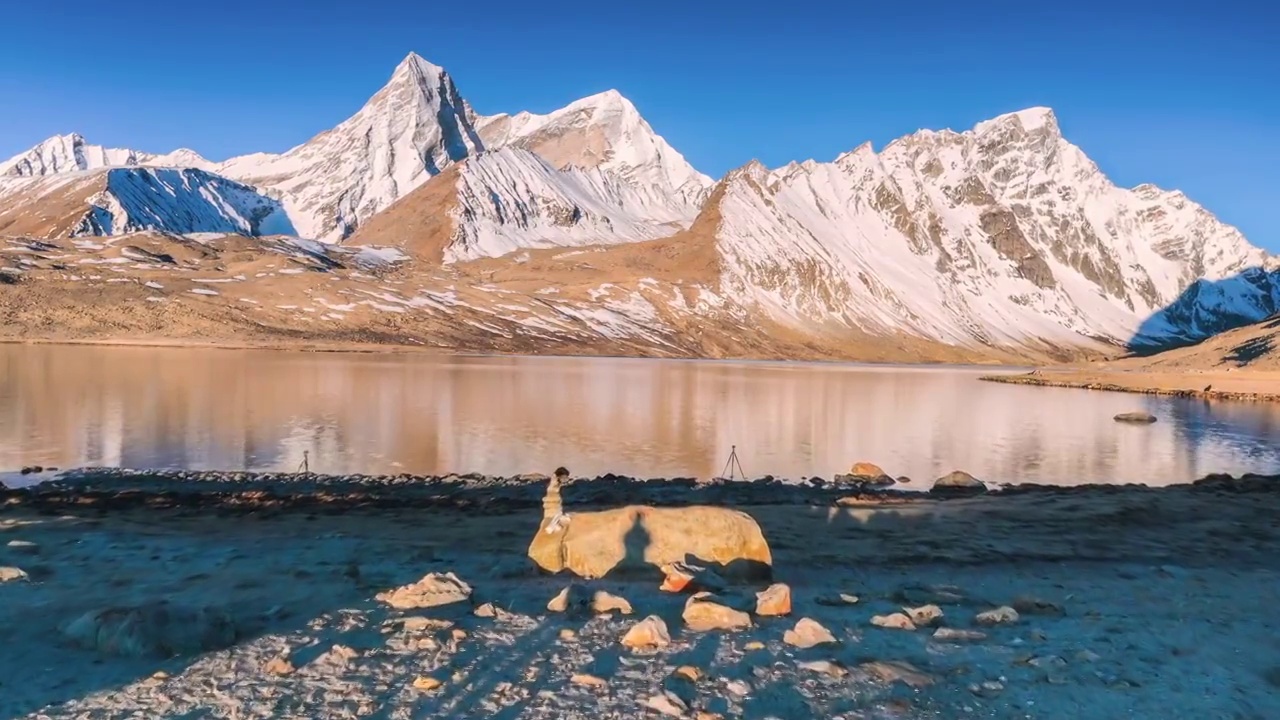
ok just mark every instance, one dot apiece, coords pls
pixel 753 645
pixel 924 615
pixel 957 635
pixel 689 673
pixel 999 616
pixel 987 689
pixel 486 610
pixel 807 633
pixel 278 666
pixel 426 683
pixel 738 688
pixel 588 680
pixel 705 612
pixel 894 621
pixel 823 667
pixel 894 671
pixel 649 633
pixel 603 602
pixel 568 634
pixel 774 600
pixel 666 703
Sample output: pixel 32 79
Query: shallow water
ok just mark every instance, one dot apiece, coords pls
pixel 370 413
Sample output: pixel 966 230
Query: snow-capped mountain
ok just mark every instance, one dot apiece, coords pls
pixel 114 201
pixel 1004 234
pixel 509 199
pixel 72 153
pixel 411 129
pixel 604 131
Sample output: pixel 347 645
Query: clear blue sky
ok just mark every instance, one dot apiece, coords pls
pixel 1183 96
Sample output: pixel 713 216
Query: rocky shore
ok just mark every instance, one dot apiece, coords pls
pixel 200 594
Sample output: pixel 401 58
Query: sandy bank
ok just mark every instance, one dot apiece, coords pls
pixel 1158 602
pixel 1211 385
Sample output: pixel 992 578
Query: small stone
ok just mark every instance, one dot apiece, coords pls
pixel 924 615
pixel 737 688
pixel 649 633
pixel 689 672
pixel 459 634
pixel 23 546
pixel 12 574
pixel 426 683
pixel 704 612
pixel 893 621
pixel 753 645
pixel 774 600
pixel 568 634
pixel 434 590
pixel 278 666
pixel 159 675
pixel 956 635
pixel 807 633
pixel 588 680
pixel 987 689
pixel 999 616
pixel 896 672
pixel 486 610
pixel 903 480
pixel 837 600
pixel 823 667
pixel 603 602
pixel 666 703
pixel 866 469
pixel 684 578
pixel 419 624
pixel 1137 418
pixel 1027 605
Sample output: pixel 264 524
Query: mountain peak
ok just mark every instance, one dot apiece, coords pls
pixel 1031 119
pixel 609 102
pixel 414 64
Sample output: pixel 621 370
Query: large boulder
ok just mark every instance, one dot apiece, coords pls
pixel 156 630
pixel 643 538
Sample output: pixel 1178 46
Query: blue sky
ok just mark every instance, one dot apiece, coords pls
pixel 1185 96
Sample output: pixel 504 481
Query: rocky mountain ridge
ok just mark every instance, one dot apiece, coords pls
pixel 1003 237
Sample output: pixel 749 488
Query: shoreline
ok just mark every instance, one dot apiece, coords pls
pixel 243 491
pixel 1133 599
pixel 1146 384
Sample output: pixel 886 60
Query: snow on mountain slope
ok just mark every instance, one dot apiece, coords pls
pixel 113 201
pixel 506 200
pixel 604 131
pixel 408 131
pixel 71 153
pixel 1003 235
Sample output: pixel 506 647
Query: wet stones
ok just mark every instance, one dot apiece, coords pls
pixel 893 621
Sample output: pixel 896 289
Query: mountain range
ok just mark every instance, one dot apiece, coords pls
pixel 591 232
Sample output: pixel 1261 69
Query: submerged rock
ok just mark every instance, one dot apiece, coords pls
pixel 956 635
pixel 1137 418
pixel 433 590
pixel 958 482
pixel 893 671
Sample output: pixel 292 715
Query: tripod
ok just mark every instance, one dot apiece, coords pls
pixel 733 465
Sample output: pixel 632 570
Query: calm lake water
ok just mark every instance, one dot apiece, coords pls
pixel 260 410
